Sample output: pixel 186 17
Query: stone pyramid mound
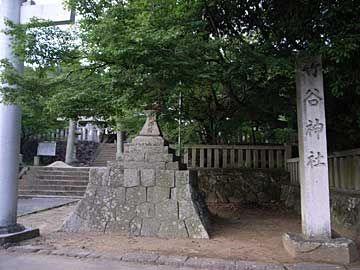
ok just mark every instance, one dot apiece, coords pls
pixel 144 193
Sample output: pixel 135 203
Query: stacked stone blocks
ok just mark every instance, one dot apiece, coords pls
pixel 144 194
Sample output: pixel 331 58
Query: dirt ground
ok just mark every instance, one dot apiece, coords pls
pixel 242 233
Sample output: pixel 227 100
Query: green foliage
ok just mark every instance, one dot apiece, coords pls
pixel 43 44
pixel 232 60
pixel 36 119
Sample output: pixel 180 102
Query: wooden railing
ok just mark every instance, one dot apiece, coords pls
pixel 236 156
pixel 344 170
pixel 55 135
pixel 83 134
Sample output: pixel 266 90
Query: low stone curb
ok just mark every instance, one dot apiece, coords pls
pixel 240 265
pixel 210 263
pixel 177 261
pixel 313 266
pixel 146 258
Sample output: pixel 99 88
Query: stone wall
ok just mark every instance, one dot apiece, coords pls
pixel 345 209
pixel 140 202
pixel 245 186
pixel 85 152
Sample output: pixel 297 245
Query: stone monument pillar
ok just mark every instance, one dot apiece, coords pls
pixel 10 123
pixel 313 165
pixel 119 144
pixel 70 144
pixel 147 192
pixel 315 243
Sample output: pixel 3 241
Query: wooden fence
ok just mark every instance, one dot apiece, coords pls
pixel 236 156
pixel 344 170
pixel 292 166
pixel 83 134
pixel 54 135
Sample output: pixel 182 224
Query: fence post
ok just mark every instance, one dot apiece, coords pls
pixel 225 157
pixel 193 157
pixel 357 173
pixel 288 152
pixel 202 158
pixel 186 155
pixel 248 158
pixel 216 158
pixel 209 158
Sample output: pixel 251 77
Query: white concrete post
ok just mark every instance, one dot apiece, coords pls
pixel 70 144
pixel 10 124
pixel 99 132
pixel 36 161
pixel 92 133
pixel 88 131
pixel 315 203
pixel 119 144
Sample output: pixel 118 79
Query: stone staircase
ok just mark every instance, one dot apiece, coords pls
pixel 106 152
pixel 54 182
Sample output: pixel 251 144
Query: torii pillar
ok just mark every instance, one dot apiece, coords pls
pixel 10 119
pixel 10 126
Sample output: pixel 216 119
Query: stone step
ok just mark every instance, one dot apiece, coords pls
pixel 107 154
pixel 63 177
pixel 54 169
pixel 56 183
pixel 61 188
pixel 100 164
pixel 23 196
pixel 104 160
pixel 26 192
pixel 108 145
pixel 58 173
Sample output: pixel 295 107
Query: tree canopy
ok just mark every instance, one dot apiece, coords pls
pixel 231 60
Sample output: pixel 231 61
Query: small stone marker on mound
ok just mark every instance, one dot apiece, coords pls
pixel 144 193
